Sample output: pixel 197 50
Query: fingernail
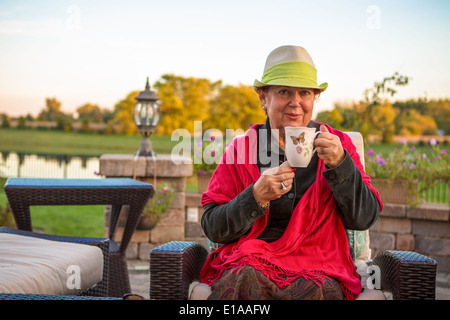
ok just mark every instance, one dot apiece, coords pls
pixel 293 169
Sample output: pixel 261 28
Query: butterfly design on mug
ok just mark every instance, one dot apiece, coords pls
pixel 300 138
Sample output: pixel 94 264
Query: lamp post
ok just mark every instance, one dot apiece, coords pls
pixel 146 115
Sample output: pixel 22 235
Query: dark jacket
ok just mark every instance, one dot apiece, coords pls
pixel 358 206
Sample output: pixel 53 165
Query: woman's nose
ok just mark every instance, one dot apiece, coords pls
pixel 295 98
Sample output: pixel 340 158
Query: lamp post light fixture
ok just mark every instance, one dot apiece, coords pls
pixel 146 116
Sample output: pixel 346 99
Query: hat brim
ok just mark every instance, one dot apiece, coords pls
pixel 291 82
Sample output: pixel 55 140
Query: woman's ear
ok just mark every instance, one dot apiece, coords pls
pixel 262 96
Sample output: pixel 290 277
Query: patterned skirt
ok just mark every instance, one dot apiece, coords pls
pixel 252 284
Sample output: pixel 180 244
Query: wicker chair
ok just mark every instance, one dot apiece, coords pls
pixel 175 265
pixel 119 192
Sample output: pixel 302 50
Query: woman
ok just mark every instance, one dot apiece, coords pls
pixel 283 228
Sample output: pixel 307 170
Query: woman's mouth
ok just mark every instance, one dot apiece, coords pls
pixel 293 116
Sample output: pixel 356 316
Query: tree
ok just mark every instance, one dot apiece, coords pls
pixel 90 113
pixel 382 119
pixel 440 111
pixel 235 107
pixel 183 101
pixel 123 114
pixel 374 95
pixel 413 123
pixel 21 122
pixel 379 112
pixel 52 110
pixel 5 121
pixel 332 117
pixel 64 122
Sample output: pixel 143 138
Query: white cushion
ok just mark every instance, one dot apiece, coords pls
pixel 199 291
pixel 39 266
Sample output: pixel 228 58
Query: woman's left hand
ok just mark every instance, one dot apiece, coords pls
pixel 329 148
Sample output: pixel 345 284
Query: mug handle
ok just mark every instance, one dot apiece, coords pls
pixel 315 137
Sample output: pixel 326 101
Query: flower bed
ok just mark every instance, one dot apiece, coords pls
pixel 418 170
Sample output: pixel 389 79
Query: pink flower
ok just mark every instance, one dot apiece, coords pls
pixel 403 141
pixel 370 152
pixel 443 151
pixel 433 142
pixel 380 160
pixel 299 149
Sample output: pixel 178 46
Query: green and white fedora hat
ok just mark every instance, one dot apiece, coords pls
pixel 290 66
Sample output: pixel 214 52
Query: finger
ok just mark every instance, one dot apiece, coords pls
pixel 323 128
pixel 270 171
pixel 285 167
pixel 285 176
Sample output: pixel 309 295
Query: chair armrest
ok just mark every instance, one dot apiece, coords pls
pixel 173 267
pixel 408 275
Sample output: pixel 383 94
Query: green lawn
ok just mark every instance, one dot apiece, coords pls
pixel 73 143
pixel 77 221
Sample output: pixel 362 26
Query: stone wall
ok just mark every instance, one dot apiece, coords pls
pixel 425 230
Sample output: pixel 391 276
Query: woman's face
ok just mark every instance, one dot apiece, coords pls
pixel 287 107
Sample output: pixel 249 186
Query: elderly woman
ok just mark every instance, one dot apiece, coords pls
pixel 282 229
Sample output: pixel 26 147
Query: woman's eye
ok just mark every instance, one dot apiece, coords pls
pixel 305 93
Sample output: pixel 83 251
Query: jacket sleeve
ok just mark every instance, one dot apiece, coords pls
pixel 226 223
pixel 358 205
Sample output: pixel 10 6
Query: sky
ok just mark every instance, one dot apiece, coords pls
pixel 99 51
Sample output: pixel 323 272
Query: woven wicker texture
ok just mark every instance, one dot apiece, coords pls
pixel 408 275
pixel 173 267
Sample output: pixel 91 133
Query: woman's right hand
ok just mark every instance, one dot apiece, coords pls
pixel 269 187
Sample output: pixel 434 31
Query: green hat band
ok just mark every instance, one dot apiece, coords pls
pixel 293 74
pixel 291 69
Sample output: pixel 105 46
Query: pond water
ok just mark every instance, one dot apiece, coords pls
pixel 13 164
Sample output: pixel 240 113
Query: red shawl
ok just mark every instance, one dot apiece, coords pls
pixel 314 244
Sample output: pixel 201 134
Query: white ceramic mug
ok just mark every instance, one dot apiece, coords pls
pixel 299 145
